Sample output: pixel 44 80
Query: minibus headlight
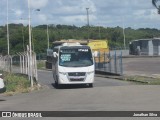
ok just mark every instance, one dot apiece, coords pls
pixel 62 73
pixel 90 72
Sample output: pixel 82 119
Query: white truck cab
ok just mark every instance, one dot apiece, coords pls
pixel 73 64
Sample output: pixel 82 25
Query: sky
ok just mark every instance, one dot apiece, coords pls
pixel 106 13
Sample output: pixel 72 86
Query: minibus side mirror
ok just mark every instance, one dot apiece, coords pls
pixel 55 54
pixel 95 54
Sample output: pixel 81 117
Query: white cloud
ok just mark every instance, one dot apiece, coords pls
pixel 38 3
pixel 42 17
pixel 73 11
pixel 72 7
pixel 18 12
pixel 104 12
pixel 78 18
pixel 39 18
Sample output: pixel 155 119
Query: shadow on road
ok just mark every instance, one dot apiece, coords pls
pixel 74 86
pixel 1 100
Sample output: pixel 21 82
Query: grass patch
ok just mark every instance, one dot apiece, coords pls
pixel 143 80
pixel 17 83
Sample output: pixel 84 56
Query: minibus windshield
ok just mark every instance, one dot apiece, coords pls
pixel 75 57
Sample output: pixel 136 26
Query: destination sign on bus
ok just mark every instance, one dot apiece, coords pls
pixel 83 50
pixel 68 51
pixel 74 50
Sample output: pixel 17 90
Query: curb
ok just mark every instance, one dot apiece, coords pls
pixel 142 56
pixel 106 73
pixel 122 78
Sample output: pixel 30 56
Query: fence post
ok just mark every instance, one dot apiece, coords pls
pixel 110 64
pixel 11 62
pixel 20 61
pixel 121 63
pixel 115 62
pixel 99 60
pixel 28 62
pixel 104 63
pixel 23 68
pixel 35 59
pixel 25 63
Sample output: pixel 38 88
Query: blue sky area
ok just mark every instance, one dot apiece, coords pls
pixel 107 13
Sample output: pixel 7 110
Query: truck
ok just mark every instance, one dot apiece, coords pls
pixel 101 48
pixel 73 63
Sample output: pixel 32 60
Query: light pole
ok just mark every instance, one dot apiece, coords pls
pixel 87 16
pixel 48 36
pixel 30 44
pixel 124 36
pixel 7 29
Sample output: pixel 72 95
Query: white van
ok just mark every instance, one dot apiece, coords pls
pixel 73 64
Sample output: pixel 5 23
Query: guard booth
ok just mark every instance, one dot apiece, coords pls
pixel 145 47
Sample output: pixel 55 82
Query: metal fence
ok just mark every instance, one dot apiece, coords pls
pixel 109 62
pixel 19 63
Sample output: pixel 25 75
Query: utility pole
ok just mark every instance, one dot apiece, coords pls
pixel 88 22
pixel 7 29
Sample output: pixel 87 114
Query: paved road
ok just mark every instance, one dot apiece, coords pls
pixel 107 95
pixel 47 80
pixel 142 66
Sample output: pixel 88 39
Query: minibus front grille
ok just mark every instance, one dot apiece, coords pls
pixel 76 74
pixel 76 79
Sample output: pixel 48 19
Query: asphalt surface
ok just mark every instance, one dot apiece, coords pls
pixel 142 66
pixel 107 95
